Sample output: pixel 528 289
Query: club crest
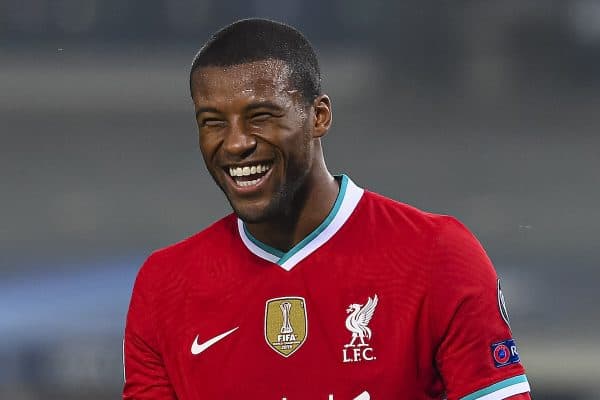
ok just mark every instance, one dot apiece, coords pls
pixel 357 323
pixel 286 324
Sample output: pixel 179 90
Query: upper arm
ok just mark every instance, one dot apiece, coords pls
pixel 476 355
pixel 144 371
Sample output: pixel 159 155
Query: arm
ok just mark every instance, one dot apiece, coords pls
pixel 144 371
pixel 476 355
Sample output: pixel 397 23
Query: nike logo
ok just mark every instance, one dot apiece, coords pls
pixel 198 348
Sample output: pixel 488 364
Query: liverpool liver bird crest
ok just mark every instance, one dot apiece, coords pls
pixel 358 320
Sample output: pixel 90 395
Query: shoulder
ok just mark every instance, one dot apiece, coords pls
pixel 404 215
pixel 457 260
pixel 178 256
pixel 202 241
pixel 447 240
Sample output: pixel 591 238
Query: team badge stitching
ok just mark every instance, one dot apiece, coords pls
pixel 502 305
pixel 286 324
pixel 357 322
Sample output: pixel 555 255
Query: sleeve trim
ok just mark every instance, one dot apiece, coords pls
pixel 124 375
pixel 501 390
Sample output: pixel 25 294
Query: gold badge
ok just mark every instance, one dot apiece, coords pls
pixel 286 325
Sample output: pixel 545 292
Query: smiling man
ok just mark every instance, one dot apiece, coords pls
pixel 313 288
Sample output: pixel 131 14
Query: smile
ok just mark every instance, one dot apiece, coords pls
pixel 249 175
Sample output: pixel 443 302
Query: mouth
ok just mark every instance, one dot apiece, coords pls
pixel 249 177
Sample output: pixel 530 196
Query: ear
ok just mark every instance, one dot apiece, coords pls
pixel 323 115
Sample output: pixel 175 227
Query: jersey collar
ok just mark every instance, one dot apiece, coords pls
pixel 345 203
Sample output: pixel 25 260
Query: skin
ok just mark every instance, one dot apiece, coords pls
pixel 249 113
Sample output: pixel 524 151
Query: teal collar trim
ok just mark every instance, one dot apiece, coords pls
pixel 345 203
pixel 501 390
pixel 277 253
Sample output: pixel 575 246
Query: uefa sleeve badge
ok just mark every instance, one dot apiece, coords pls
pixel 505 353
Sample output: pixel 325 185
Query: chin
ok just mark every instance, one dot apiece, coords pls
pixel 252 214
pixel 268 207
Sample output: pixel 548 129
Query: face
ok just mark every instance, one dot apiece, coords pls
pixel 257 135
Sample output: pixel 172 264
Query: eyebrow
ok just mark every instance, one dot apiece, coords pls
pixel 262 104
pixel 201 110
pixel 249 107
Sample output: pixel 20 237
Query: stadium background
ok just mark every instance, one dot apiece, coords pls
pixel 487 110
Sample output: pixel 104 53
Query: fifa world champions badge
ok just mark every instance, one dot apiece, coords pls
pixel 286 324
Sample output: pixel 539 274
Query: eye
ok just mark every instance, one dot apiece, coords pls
pixel 261 117
pixel 212 123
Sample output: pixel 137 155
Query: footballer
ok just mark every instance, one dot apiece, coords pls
pixel 313 288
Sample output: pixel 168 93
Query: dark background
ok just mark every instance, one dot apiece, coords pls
pixel 485 110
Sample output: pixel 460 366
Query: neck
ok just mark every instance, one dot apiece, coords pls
pixel 311 206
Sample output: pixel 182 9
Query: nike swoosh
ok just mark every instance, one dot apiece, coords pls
pixel 363 396
pixel 198 348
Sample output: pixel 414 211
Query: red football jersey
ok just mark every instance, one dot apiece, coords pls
pixel 381 301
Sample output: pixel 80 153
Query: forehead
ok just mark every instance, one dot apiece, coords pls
pixel 265 79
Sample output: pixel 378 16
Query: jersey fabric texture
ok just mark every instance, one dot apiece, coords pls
pixel 381 301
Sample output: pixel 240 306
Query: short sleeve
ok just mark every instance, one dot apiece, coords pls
pixel 144 371
pixel 476 354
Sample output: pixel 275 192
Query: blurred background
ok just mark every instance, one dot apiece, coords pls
pixel 486 110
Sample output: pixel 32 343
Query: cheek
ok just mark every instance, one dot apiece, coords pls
pixel 298 149
pixel 292 142
pixel 293 133
pixel 208 146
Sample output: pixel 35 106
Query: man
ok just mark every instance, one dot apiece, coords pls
pixel 313 288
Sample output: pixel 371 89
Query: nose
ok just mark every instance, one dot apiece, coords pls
pixel 239 142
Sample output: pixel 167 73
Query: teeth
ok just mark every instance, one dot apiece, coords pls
pixel 235 171
pixel 248 170
pixel 247 183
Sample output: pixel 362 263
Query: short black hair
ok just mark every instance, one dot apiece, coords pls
pixel 258 39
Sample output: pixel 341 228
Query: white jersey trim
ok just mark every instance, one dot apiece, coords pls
pixel 502 390
pixel 254 248
pixel 507 392
pixel 348 198
pixel 124 375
